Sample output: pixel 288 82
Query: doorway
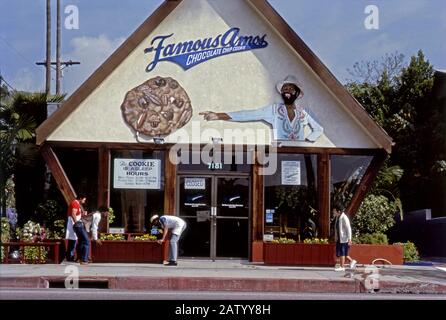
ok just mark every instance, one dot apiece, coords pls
pixel 217 210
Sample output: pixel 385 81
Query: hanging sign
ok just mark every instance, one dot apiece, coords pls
pixel 291 173
pixel 190 53
pixel 137 174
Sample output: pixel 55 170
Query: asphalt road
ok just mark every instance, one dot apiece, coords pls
pixel 107 294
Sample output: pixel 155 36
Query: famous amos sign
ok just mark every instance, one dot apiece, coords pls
pixel 190 53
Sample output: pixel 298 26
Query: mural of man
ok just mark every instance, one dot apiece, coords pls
pixel 289 119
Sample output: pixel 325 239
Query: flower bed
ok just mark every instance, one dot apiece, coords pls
pixel 142 250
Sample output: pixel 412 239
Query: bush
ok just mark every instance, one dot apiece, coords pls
pixel 410 251
pixel 375 215
pixel 372 238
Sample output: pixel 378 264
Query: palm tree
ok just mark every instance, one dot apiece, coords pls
pixel 20 114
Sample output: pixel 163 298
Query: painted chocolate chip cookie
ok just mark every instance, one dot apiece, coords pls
pixel 157 107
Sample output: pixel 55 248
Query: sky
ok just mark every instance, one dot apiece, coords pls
pixel 334 29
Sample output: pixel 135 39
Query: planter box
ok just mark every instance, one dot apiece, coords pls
pixel 324 254
pixel 366 253
pixel 298 254
pixel 127 252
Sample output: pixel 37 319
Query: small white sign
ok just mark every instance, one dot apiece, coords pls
pixel 194 183
pixel 116 230
pixel 268 237
pixel 291 173
pixel 137 174
pixel 203 216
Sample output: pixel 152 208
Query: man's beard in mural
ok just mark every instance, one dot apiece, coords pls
pixel 289 98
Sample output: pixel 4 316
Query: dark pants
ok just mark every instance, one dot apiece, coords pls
pixel 83 243
pixel 69 255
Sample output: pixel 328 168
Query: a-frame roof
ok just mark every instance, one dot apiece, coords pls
pixel 264 9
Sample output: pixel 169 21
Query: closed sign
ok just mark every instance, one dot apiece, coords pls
pixel 195 183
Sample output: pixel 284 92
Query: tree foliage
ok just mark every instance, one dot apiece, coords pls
pixel 399 98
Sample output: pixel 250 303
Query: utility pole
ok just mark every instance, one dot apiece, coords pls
pixel 58 71
pixel 48 63
pixel 48 47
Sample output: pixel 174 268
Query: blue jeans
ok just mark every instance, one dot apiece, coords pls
pixel 69 255
pixel 83 243
pixel 173 245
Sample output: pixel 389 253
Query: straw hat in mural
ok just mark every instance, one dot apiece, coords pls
pixel 157 107
pixel 292 80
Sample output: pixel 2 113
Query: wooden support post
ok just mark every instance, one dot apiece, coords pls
pixel 103 177
pixel 170 184
pixel 366 183
pixel 103 183
pixel 323 194
pixel 58 173
pixel 257 202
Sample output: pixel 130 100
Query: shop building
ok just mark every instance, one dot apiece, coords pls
pixel 187 117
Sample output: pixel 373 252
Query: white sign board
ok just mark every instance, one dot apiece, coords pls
pixel 195 183
pixel 137 174
pixel 268 237
pixel 116 230
pixel 291 173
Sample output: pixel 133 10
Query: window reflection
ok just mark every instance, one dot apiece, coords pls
pixel 134 207
pixel 346 175
pixel 291 197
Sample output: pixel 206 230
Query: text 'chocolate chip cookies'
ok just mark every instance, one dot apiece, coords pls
pixel 157 108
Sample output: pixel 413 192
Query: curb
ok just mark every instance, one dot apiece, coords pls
pixel 228 284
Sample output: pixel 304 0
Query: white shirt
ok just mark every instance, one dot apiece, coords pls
pixel 345 230
pixel 95 225
pixel 176 224
pixel 69 233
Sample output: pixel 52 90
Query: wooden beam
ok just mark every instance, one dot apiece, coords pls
pixel 58 173
pixel 170 184
pixel 366 183
pixel 323 194
pixel 257 202
pixel 103 177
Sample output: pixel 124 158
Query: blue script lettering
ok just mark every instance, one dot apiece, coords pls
pixel 190 53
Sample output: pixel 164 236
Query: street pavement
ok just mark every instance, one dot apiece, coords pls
pixel 227 276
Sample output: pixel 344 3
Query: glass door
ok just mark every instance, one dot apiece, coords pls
pixel 195 204
pixel 216 210
pixel 232 217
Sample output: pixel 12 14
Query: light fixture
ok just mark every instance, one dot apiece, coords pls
pixel 217 140
pixel 158 140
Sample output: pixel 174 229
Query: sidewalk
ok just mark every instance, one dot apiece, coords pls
pixel 229 276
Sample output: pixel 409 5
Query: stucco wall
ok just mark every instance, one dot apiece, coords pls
pixel 236 81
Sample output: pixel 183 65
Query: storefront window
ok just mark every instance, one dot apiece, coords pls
pixel 137 188
pixel 81 168
pixel 291 198
pixel 346 175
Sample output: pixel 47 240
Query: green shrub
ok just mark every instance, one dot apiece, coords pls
pixel 375 215
pixel 410 251
pixel 372 238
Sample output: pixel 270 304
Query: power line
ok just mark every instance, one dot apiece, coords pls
pixel 17 51
pixel 6 82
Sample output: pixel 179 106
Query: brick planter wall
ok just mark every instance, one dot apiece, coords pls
pixel 127 252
